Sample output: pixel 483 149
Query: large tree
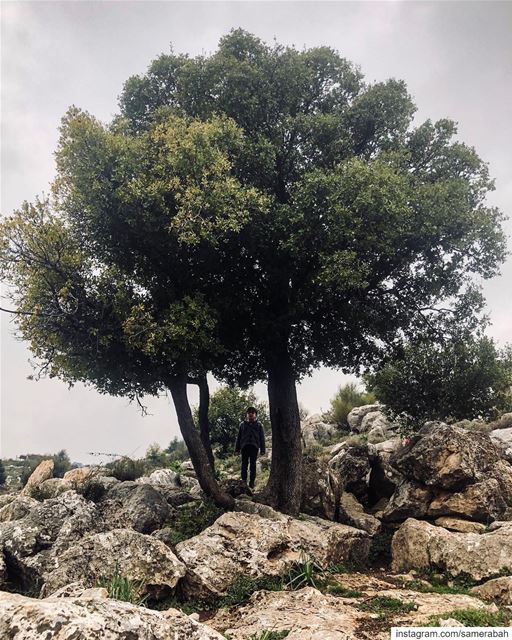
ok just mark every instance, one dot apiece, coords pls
pixel 319 228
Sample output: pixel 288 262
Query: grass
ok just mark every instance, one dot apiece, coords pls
pixel 120 587
pixel 193 518
pixel 243 587
pixel 385 606
pixel 476 618
pixel 304 573
pixel 268 635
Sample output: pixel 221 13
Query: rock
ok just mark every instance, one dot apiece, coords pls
pixel 306 613
pixel 94 618
pixel 235 487
pixel 320 489
pixel 136 556
pixel 32 543
pixel 137 506
pixel 446 457
pixel 482 501
pixel 377 434
pixel 17 509
pixel 383 479
pixel 450 622
pixel 462 526
pixel 166 477
pixel 80 475
pixel 352 467
pixel 42 472
pixel 355 417
pixel 373 420
pixel 410 500
pixel 498 589
pixel 54 487
pixel 243 544
pixel 3 571
pixel 351 512
pixel 315 430
pixel 502 473
pixel 420 545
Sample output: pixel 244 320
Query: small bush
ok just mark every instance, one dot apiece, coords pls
pixel 192 518
pixel 346 398
pixel 126 469
pixel 243 587
pixel 384 605
pixel 304 573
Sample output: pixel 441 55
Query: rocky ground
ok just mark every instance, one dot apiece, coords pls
pixel 391 533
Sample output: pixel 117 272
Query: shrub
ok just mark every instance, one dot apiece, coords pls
pixel 122 588
pixel 192 518
pixel 461 377
pixel 346 398
pixel 126 468
pixel 3 475
pixel 177 450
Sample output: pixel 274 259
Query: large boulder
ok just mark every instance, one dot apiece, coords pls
pixel 166 477
pixel 137 506
pixel 447 457
pixel 498 589
pixel 42 472
pixel 410 500
pixel 134 555
pixel 320 489
pixel 247 544
pixel 17 509
pixel 420 545
pixel 54 487
pixel 94 618
pixel 31 544
pixel 316 430
pixel 482 502
pixel 351 512
pixel 355 417
pixel 352 467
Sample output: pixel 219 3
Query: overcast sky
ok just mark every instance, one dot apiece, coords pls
pixel 455 57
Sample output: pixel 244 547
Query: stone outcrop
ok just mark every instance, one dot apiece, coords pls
pixel 246 544
pixel 93 618
pixel 320 489
pixel 42 472
pixel 420 545
pixel 482 501
pixel 499 590
pixel 352 467
pixel 462 526
pixel 410 500
pixel 447 457
pixel 137 506
pixel 355 417
pixel 351 512
pixel 316 430
pixel 17 509
pixel 134 555
pixel 32 543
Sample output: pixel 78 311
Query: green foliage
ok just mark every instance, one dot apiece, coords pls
pixel 476 618
pixel 61 463
pixel 126 469
pixel 269 634
pixel 120 587
pixel 192 518
pixel 243 587
pixel 346 398
pixel 3 475
pixel 304 573
pixel 177 450
pixel 462 376
pixel 227 409
pixel 384 606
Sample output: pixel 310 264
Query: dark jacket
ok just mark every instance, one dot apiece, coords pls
pixel 250 433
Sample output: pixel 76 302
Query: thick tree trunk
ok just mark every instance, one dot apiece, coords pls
pixel 284 489
pixel 178 387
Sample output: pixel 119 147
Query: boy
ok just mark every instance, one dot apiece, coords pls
pixel 251 437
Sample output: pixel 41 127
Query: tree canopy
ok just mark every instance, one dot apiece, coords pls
pixel 254 213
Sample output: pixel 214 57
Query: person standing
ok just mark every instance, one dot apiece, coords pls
pixel 250 440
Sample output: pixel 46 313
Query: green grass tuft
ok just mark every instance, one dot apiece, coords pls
pixel 476 618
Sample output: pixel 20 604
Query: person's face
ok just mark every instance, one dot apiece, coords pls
pixel 251 416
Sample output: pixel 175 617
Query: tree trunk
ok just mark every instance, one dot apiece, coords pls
pixel 284 489
pixel 204 424
pixel 178 387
